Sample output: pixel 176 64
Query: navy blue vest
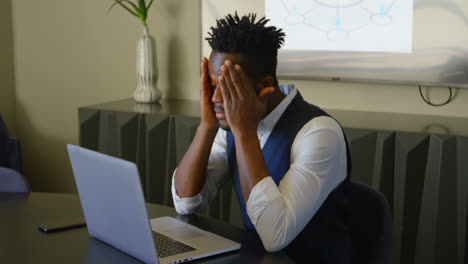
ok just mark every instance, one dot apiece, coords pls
pixel 327 232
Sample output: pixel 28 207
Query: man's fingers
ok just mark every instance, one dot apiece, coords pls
pixel 231 89
pixel 205 85
pixel 242 76
pixel 204 71
pixel 204 65
pixel 240 88
pixel 224 90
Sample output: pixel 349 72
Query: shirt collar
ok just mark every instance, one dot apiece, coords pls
pixel 268 123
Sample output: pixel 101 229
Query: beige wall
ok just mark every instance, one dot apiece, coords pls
pixel 7 78
pixel 71 53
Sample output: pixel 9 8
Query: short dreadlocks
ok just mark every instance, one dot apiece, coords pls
pixel 258 43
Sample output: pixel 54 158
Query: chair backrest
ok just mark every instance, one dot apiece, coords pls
pixel 11 179
pixel 371 225
pixel 10 149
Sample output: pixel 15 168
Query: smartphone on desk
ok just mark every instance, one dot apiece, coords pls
pixel 61 225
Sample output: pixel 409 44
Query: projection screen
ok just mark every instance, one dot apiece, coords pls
pixel 415 42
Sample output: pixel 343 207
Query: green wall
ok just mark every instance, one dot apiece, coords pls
pixel 7 77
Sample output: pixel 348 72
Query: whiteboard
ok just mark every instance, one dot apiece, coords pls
pixel 414 42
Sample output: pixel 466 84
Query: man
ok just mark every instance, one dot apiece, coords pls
pixel 288 159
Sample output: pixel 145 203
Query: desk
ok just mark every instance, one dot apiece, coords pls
pixel 22 242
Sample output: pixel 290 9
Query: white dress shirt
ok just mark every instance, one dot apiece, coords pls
pixel 280 213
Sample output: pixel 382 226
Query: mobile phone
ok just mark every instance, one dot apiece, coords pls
pixel 50 228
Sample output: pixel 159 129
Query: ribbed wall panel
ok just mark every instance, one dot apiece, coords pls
pixel 89 128
pixel 362 144
pixel 423 176
pixel 410 163
pixel 157 138
pixel 181 132
pixel 462 197
pixel 385 164
pixel 446 248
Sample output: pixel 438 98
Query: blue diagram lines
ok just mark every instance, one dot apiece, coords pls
pixel 338 3
pixel 356 25
pixel 338 21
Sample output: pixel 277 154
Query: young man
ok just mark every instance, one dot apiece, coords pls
pixel 288 159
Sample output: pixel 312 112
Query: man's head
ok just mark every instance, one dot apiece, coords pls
pixel 246 42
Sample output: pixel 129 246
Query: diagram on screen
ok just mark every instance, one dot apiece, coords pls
pixel 344 25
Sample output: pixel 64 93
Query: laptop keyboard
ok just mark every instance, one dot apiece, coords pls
pixel 167 247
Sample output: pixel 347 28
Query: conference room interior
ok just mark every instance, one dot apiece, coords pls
pixel 67 74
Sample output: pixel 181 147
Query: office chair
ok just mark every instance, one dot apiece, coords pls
pixel 370 226
pixel 11 179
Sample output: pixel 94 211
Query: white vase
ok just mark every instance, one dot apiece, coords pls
pixel 147 70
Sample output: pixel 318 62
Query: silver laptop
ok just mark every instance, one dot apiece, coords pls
pixel 114 208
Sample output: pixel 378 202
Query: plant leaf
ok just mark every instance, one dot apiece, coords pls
pixel 112 6
pixel 126 8
pixel 139 11
pixel 142 11
pixel 149 5
pixel 142 5
pixel 131 3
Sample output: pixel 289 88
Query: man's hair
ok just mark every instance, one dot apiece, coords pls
pixel 253 40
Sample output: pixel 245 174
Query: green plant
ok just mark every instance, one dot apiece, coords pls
pixel 140 11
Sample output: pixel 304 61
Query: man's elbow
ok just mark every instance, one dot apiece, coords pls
pixel 274 246
pixel 185 206
pixel 185 210
pixel 274 242
pixel 188 207
pixel 181 211
pixel 275 229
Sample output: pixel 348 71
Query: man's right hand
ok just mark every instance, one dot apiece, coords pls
pixel 208 116
pixel 189 177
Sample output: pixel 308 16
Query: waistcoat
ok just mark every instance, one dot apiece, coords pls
pixel 327 232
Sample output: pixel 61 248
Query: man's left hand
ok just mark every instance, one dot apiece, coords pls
pixel 243 107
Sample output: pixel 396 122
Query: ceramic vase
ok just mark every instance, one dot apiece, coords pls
pixel 147 70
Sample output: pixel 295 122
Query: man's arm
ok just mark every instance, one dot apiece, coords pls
pixel 215 175
pixel 244 110
pixel 318 166
pixel 190 175
pixel 250 162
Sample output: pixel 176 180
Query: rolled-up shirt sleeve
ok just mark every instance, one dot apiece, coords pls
pixel 318 166
pixel 217 173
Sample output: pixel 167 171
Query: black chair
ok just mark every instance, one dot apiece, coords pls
pixel 11 179
pixel 370 225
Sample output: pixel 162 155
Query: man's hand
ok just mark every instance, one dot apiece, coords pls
pixel 189 177
pixel 208 116
pixel 243 108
